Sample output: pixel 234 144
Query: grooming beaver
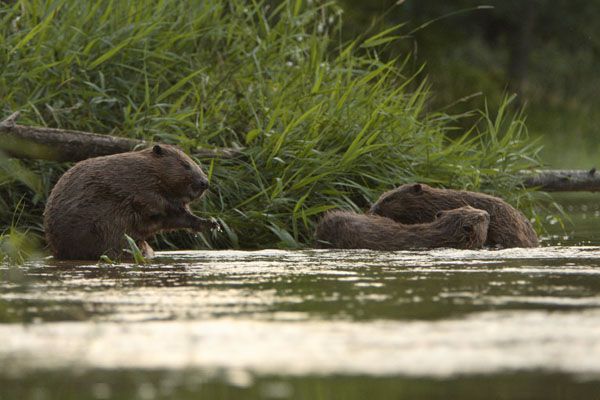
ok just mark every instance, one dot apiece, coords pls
pixel 463 228
pixel 140 193
pixel 418 203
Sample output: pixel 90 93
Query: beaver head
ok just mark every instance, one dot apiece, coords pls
pixel 179 175
pixel 410 203
pixel 468 225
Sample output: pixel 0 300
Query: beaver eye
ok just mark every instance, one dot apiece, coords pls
pixel 186 166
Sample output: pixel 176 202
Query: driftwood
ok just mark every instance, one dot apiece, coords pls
pixel 564 180
pixel 21 141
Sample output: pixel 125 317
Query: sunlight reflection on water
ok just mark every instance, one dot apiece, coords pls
pixel 430 313
pixel 480 343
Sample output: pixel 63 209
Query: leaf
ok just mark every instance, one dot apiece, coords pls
pixel 135 251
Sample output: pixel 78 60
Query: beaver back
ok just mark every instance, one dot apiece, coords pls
pixel 418 203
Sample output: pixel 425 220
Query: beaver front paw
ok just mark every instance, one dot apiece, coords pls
pixel 202 224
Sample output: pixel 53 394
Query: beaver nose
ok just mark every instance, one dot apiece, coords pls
pixel 374 209
pixel 200 186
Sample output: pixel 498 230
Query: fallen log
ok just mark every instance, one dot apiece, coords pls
pixel 30 142
pixel 564 180
pixel 53 144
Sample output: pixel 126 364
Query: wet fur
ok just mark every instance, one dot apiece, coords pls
pixel 139 193
pixel 462 228
pixel 419 203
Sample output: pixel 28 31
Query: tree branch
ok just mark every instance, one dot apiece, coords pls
pixel 21 141
pixel 564 180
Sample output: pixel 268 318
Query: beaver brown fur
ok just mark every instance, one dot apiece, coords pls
pixel 140 193
pixel 462 228
pixel 418 203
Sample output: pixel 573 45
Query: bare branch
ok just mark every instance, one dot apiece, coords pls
pixel 564 180
pixel 21 141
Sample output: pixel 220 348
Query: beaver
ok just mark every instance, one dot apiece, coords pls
pixel 140 193
pixel 462 228
pixel 418 203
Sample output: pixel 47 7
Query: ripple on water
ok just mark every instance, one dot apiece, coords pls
pixel 416 313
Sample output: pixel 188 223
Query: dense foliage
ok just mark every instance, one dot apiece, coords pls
pixel 322 123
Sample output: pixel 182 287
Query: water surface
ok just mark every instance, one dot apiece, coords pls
pixel 305 324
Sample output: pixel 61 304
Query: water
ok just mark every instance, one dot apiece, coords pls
pixel 518 323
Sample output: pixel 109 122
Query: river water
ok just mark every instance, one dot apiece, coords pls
pixel 506 324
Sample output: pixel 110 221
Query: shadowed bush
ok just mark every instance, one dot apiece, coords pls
pixel 322 124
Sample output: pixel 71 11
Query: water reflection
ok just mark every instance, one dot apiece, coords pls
pixel 352 285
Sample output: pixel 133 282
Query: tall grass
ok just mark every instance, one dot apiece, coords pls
pixel 322 124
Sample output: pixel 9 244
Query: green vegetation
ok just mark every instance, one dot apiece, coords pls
pixel 21 198
pixel 134 251
pixel 323 123
pixel 546 51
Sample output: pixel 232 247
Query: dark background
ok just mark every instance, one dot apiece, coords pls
pixel 545 52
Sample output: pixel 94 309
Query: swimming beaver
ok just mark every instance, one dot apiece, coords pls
pixel 140 193
pixel 418 203
pixel 463 228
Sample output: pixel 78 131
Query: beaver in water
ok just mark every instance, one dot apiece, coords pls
pixel 140 193
pixel 417 203
pixel 462 228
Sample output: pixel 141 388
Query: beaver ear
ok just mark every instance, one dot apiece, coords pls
pixel 468 228
pixel 156 149
pixel 417 188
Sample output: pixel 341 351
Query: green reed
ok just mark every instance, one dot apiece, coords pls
pixel 322 124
